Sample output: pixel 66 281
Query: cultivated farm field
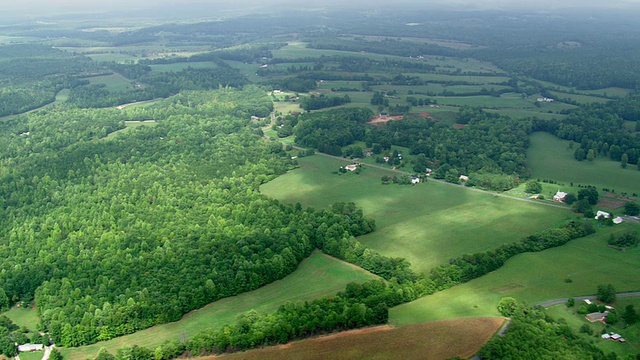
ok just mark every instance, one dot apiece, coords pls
pixel 317 276
pixel 436 340
pixel 427 224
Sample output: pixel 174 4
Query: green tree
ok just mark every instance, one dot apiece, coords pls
pixel 571 302
pixel 590 193
pixel 4 300
pixel 630 315
pixel 55 355
pixel 591 155
pixel 630 208
pixel 624 160
pixel 570 198
pixel 533 187
pixel 507 306
pixel 606 293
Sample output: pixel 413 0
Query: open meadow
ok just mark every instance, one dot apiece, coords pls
pixel 317 276
pixel 551 158
pixel 113 82
pixel 574 269
pixel 436 340
pixel 26 317
pixel 428 223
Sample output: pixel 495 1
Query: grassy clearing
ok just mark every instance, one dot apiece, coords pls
pixel 184 65
pixel 317 276
pixel 438 340
pixel 581 99
pixel 528 113
pixel 551 158
pixel 114 82
pixel 131 125
pixel 27 317
pixel 36 355
pixel 427 224
pixel 571 270
pixel 609 92
pixel 576 321
pixel 485 101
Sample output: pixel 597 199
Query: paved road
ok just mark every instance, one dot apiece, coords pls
pixel 47 352
pixel 582 298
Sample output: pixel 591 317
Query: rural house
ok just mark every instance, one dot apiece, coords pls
pixel 351 167
pixel 464 178
pixel 559 196
pixel 604 214
pixel 30 347
pixel 618 220
pixel 597 316
pixel 415 180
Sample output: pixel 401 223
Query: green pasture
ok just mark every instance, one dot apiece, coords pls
pixel 581 99
pixel 428 223
pixel 473 79
pixel 286 107
pixel 631 126
pixel 505 101
pixel 248 70
pixel 608 92
pixel 317 276
pixel 36 355
pixel 130 126
pixel 26 317
pixel 571 270
pixel 551 158
pixel 528 113
pixel 113 82
pixel 116 57
pixel 326 85
pixel 175 67
pixel 631 333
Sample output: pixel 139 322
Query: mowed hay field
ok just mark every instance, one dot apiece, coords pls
pixel 436 340
pixel 428 224
pixel 317 276
pixel 551 158
pixel 574 269
pixel 26 317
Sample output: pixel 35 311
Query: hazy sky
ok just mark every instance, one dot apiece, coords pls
pixel 43 7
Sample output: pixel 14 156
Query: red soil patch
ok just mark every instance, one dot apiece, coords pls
pixel 612 201
pixel 433 340
pixel 458 126
pixel 427 115
pixel 384 119
pixel 353 332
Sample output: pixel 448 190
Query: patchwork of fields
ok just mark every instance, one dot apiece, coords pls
pixel 571 270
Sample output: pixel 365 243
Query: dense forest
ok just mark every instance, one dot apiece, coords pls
pixel 32 75
pixel 97 227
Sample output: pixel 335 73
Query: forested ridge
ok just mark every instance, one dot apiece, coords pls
pixel 140 228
